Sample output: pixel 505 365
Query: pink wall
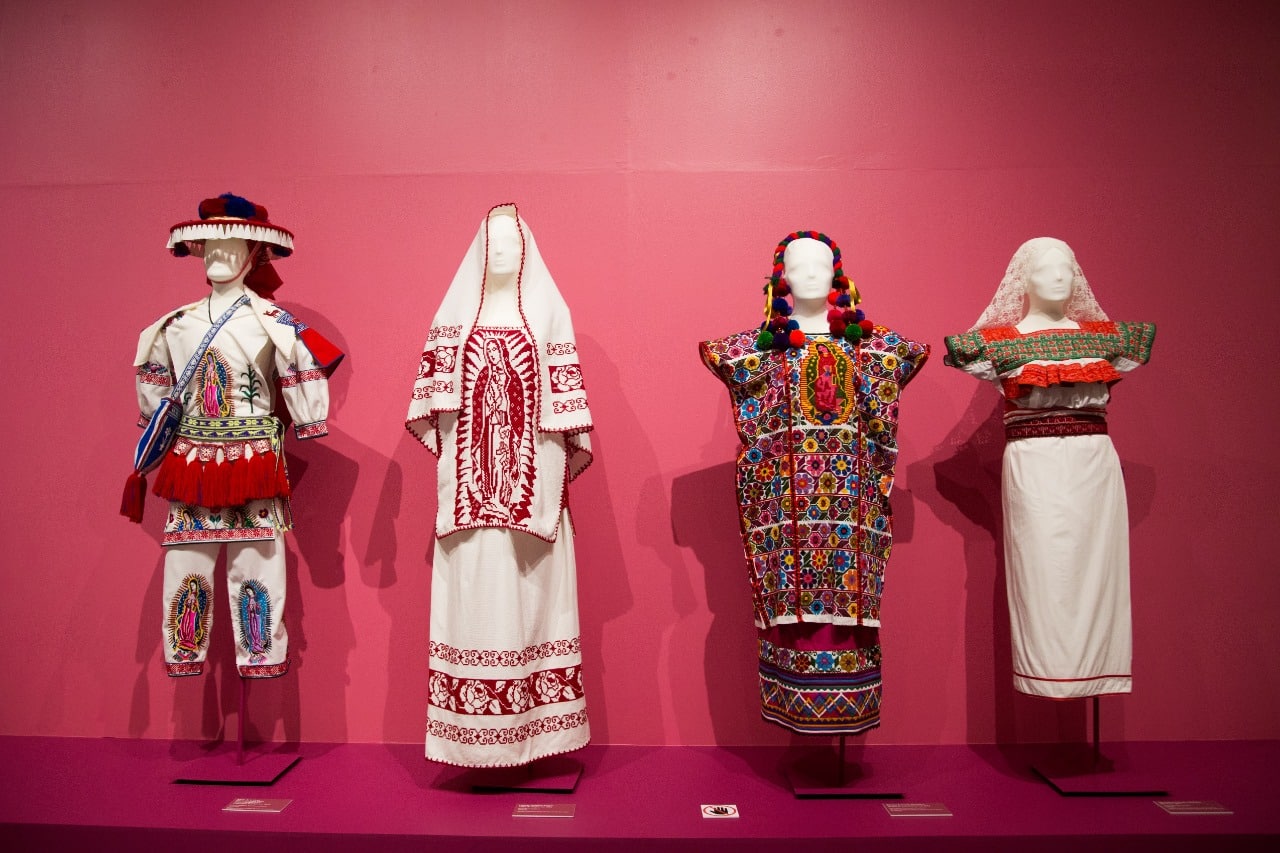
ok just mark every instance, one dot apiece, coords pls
pixel 659 150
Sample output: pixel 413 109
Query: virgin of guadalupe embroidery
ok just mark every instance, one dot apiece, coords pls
pixel 212 379
pixel 255 620
pixel 826 384
pixel 495 429
pixel 189 618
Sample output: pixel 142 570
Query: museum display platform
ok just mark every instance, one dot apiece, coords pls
pixel 115 794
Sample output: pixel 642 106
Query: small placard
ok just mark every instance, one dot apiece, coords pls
pixel 713 810
pixel 1193 807
pixel 918 809
pixel 253 804
pixel 544 810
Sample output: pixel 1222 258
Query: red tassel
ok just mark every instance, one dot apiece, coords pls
pixel 134 499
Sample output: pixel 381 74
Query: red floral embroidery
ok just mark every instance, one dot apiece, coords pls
pixel 513 734
pixel 521 657
pixel 503 696
pixel 291 379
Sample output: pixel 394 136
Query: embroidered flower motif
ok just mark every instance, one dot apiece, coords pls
pixel 566 377
pixel 550 687
pixel 809 445
pixel 749 408
pixel 887 392
pixel 517 696
pixel 849 661
pixel 849 579
pixel 828 482
pixel 825 661
pixel 440 696
pixel 476 698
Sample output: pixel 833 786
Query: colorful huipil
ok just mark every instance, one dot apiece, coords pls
pixel 818 426
pixel 225 476
pixel 504 408
pixel 1066 528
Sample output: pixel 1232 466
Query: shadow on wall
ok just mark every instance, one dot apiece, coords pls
pixel 704 517
pixel 605 595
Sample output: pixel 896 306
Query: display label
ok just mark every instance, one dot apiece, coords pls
pixel 1193 807
pixel 544 810
pixel 252 804
pixel 712 810
pixel 918 809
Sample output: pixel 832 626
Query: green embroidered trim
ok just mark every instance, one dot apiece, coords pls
pixel 229 429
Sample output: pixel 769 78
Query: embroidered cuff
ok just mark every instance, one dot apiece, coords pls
pixel 290 380
pixel 143 420
pixel 177 670
pixel 315 430
pixel 263 670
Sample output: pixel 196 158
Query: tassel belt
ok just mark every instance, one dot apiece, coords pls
pixel 1056 425
pixel 219 462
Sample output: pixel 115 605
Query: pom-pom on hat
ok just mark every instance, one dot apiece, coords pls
pixel 225 217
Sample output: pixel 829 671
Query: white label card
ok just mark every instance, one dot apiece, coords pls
pixel 917 809
pixel 1193 807
pixel 252 804
pixel 544 810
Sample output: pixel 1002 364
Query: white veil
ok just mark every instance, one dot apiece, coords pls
pixel 1008 306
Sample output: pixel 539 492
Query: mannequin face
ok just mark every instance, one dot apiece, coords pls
pixel 504 245
pixel 807 267
pixel 224 260
pixel 1050 278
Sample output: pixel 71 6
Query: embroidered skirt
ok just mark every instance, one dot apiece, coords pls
pixel 820 678
pixel 505 667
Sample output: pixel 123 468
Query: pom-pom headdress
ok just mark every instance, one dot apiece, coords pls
pixel 230 216
pixel 844 318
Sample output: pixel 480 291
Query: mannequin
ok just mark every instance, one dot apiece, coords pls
pixel 815 396
pixel 495 400
pixel 1054 355
pixel 224 476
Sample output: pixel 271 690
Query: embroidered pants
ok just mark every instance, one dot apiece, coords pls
pixel 256 591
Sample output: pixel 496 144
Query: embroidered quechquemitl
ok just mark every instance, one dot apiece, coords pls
pixel 224 476
pixel 818 427
pixel 504 407
pixel 1066 528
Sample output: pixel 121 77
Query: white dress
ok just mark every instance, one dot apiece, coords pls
pixel 1066 522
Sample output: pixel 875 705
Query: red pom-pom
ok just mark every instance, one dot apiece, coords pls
pixel 833 315
pixel 838 327
pixel 782 289
pixel 866 326
pixel 796 338
pixel 833 296
pixel 848 316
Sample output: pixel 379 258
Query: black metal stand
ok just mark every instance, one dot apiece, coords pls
pixel 556 774
pixel 847 781
pixel 1080 770
pixel 241 767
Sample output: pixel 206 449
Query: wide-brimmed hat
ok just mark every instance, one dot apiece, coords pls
pixel 225 217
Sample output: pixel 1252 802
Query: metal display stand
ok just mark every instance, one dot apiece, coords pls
pixel 843 781
pixel 555 774
pixel 1081 770
pixel 238 766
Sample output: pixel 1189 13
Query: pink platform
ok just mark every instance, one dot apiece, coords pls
pixel 108 794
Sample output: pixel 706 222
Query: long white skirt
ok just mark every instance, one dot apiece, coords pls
pixel 506 659
pixel 1066 543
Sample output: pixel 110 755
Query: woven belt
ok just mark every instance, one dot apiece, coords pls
pixel 229 429
pixel 1052 425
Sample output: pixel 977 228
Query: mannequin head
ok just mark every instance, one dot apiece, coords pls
pixel 226 259
pixel 504 245
pixel 808 268
pixel 1050 276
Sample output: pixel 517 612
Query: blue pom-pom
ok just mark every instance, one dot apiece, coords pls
pixel 844 300
pixel 237 206
pixel 792 325
pixel 858 315
pixel 780 306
